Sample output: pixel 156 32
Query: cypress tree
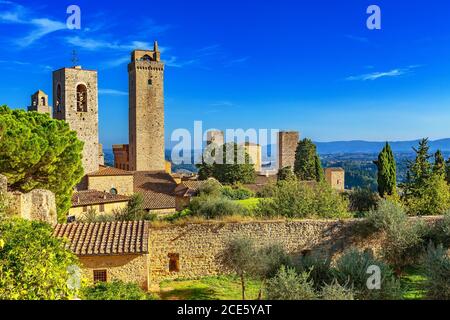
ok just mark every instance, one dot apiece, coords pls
pixel 387 172
pixel 439 166
pixel 307 166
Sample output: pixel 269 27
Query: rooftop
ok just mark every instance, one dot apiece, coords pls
pixel 109 171
pixel 92 197
pixel 157 189
pixel 105 238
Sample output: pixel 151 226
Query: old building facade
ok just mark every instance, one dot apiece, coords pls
pixel 75 100
pixel 146 110
pixel 287 145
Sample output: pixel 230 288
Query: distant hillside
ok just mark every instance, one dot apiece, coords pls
pixel 375 147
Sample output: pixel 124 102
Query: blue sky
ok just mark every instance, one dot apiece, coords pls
pixel 308 65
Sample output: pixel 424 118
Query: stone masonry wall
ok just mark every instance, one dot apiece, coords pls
pixel 128 268
pixel 146 115
pixel 287 145
pixel 36 205
pixel 200 246
pixel 123 184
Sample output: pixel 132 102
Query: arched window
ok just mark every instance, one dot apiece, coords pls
pixel 146 58
pixel 58 98
pixel 43 101
pixel 113 191
pixel 82 98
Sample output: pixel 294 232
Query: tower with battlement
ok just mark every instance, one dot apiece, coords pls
pixel 75 100
pixel 146 110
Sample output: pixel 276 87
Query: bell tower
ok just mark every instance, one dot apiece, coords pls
pixel 146 110
pixel 75 100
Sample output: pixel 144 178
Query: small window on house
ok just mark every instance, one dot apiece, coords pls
pixel 85 209
pixel 150 82
pixel 43 101
pixel 174 262
pixel 100 276
pixel 113 191
pixel 101 208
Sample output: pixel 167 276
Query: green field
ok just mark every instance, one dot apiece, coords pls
pixel 412 284
pixel 208 288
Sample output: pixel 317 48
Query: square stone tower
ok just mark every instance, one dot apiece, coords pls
pixel 215 136
pixel 39 103
pixel 287 145
pixel 75 100
pixel 146 113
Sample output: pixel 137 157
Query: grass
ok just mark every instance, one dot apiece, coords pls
pixel 208 288
pixel 412 282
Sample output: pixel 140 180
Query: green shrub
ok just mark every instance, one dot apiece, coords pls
pixel 134 211
pixel 237 193
pixel 293 199
pixel 363 200
pixel 288 285
pixel 437 269
pixel 439 232
pixel 318 266
pixel 212 207
pixel 210 187
pixel 33 263
pixel 404 238
pixel 115 290
pixel 351 271
pixel 335 291
pixel 286 173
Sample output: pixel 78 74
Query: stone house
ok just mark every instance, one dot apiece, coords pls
pixel 100 201
pixel 110 250
pixel 335 178
pixel 184 193
pixel 112 180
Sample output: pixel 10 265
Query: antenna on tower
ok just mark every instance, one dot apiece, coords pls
pixel 75 57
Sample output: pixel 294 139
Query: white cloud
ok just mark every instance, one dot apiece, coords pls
pixel 387 74
pixel 40 27
pixel 112 92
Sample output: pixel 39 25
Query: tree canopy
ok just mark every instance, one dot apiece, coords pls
pixel 307 166
pixel 238 168
pixel 34 265
pixel 37 152
pixel 387 172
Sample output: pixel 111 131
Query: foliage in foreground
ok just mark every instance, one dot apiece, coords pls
pixel 38 152
pixel 404 241
pixel 115 290
pixel 437 269
pixel 294 199
pixel 33 264
pixel 351 271
pixel 307 166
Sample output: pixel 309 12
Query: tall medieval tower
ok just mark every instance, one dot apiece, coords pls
pixel 146 113
pixel 75 100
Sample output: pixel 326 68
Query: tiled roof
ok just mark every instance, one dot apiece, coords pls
pixel 109 171
pixel 188 188
pixel 91 197
pixel 157 189
pixel 105 238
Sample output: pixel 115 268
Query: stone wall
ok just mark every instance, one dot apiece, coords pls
pixel 128 268
pixel 146 112
pixel 200 246
pixel 35 205
pixel 123 184
pixel 287 145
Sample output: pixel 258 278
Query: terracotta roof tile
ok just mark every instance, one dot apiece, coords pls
pixel 105 238
pixel 91 197
pixel 157 189
pixel 109 171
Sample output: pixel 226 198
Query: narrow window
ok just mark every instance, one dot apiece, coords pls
pixel 58 98
pixel 85 209
pixel 150 82
pixel 102 208
pixel 82 98
pixel 100 276
pixel 43 101
pixel 174 262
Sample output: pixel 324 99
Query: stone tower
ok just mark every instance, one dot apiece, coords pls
pixel 39 103
pixel 287 145
pixel 215 136
pixel 146 113
pixel 75 100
